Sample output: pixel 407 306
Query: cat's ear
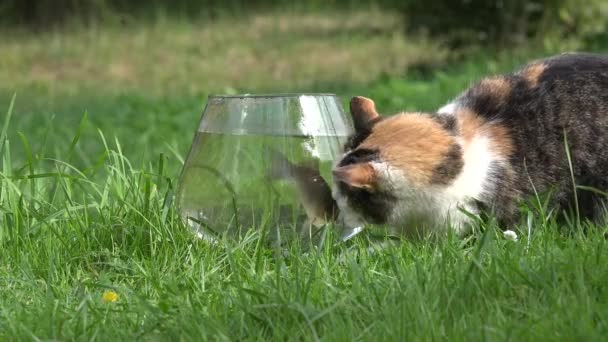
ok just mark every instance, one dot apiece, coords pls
pixel 360 175
pixel 363 111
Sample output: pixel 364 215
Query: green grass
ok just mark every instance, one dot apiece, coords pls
pixel 85 207
pixel 66 239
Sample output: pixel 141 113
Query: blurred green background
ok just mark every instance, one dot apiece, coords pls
pixel 142 69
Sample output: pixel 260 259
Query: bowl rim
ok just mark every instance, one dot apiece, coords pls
pixel 271 95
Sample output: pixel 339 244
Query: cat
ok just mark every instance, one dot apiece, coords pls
pixel 498 143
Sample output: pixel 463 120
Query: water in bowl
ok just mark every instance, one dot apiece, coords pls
pixel 232 184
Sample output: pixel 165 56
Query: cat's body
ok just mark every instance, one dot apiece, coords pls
pixel 499 142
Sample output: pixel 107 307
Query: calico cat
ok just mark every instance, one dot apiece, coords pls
pixel 501 141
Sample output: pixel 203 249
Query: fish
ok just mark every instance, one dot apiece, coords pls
pixel 312 190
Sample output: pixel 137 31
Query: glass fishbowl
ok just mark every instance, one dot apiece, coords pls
pixel 264 162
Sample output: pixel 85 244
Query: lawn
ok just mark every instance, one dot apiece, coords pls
pixel 92 145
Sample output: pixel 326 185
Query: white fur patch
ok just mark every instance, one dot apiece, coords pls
pixel 417 209
pixel 477 159
pixel 434 208
pixel 449 108
pixel 472 182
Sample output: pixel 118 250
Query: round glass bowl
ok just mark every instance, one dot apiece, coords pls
pixel 263 162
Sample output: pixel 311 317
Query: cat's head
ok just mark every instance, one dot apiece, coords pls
pixel 394 167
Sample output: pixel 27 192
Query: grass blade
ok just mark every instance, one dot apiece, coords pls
pixel 7 120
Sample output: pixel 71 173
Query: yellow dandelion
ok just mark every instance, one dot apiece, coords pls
pixel 109 296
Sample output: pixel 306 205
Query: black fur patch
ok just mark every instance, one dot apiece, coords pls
pixel 356 139
pixel 448 122
pixel 361 155
pixel 450 166
pixel 374 206
pixel 484 98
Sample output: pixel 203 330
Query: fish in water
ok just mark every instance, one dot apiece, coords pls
pixel 312 190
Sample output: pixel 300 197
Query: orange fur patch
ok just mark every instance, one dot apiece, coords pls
pixel 471 124
pixel 533 72
pixel 498 87
pixel 364 106
pixel 501 139
pixel 413 143
pixel 356 175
